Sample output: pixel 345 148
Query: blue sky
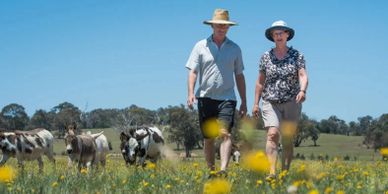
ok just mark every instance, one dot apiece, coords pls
pixel 111 54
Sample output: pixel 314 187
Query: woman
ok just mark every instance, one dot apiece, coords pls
pixel 282 84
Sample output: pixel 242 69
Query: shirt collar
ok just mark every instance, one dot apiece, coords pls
pixel 288 54
pixel 210 39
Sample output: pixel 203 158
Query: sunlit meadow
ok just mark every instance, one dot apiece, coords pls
pixel 191 176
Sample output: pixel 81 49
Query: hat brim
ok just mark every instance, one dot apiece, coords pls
pixel 210 22
pixel 288 29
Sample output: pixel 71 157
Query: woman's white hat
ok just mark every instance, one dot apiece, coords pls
pixel 279 25
pixel 220 16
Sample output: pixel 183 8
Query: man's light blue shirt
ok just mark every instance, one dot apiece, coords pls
pixel 216 68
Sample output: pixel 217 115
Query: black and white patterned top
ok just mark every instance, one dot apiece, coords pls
pixel 281 76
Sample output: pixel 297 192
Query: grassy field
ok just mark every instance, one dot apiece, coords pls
pixel 328 144
pixel 178 175
pixel 190 176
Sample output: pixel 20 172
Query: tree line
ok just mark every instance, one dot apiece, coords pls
pixel 180 123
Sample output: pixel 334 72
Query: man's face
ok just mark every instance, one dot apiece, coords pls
pixel 220 30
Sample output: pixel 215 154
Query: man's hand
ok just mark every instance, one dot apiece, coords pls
pixel 243 109
pixel 190 101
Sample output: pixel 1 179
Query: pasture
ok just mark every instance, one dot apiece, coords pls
pixel 328 144
pixel 191 177
pixel 368 174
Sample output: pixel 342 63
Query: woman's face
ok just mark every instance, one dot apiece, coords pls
pixel 280 36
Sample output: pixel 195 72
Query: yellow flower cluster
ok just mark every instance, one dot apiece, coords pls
pixel 384 151
pixel 151 166
pixel 7 174
pixel 256 161
pixel 217 186
pixel 211 128
pixel 84 171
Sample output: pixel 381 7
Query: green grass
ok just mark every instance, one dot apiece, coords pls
pixel 175 175
pixel 190 176
pixel 328 144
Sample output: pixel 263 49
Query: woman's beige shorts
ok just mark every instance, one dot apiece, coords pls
pixel 274 113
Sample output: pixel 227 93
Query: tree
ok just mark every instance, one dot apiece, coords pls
pixel 314 133
pixel 14 117
pixel 365 124
pixel 183 127
pixel 64 115
pixel 333 125
pixel 123 121
pixel 100 118
pixel 306 128
pixel 354 127
pixel 141 116
pixel 2 123
pixel 378 135
pixel 41 119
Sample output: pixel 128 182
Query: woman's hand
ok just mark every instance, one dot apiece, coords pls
pixel 256 111
pixel 301 97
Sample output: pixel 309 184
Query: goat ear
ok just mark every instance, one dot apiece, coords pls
pixel 124 137
pixel 132 133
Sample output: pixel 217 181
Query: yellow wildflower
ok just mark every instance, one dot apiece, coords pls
pixel 256 161
pixel 314 191
pixel 297 183
pixel 320 176
pixel 384 151
pixel 217 186
pixel 145 183
pixel 55 184
pixel 167 186
pixel 258 183
pixel 7 174
pixel 84 171
pixel 62 177
pixel 301 168
pixel 211 128
pixel 151 165
pixel 340 177
pixel 195 165
pixel 283 174
pixel 340 192
pixel 328 190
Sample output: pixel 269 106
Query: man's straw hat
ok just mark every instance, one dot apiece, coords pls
pixel 220 16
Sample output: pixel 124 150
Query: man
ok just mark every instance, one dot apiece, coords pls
pixel 217 61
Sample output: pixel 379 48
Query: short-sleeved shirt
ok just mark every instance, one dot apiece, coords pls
pixel 281 76
pixel 216 68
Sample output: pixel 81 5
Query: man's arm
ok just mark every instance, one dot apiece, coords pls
pixel 240 81
pixel 190 86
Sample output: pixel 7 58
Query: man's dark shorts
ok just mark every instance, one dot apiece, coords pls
pixel 222 110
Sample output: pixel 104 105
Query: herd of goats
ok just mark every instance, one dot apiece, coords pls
pixel 85 149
